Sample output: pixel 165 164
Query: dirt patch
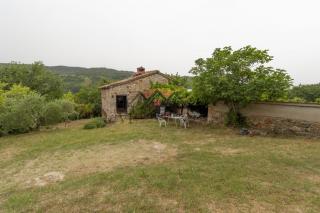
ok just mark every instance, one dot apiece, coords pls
pixel 200 142
pixel 98 158
pixel 8 153
pixel 50 177
pixel 229 151
pixel 232 206
pixel 314 178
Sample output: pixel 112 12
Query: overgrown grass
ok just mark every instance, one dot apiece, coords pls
pixel 212 170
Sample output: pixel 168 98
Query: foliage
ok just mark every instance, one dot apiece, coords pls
pixel 21 114
pixel 90 126
pixel 238 77
pixel 317 100
pixel 74 77
pixel 235 119
pixel 180 96
pixel 308 92
pixel 69 96
pixel 52 113
pixel 141 110
pixel 180 81
pixel 95 123
pixel 89 101
pixel 85 110
pixel 34 76
pixel 297 100
pixel 59 111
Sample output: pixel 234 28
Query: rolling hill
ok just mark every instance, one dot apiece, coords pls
pixel 75 77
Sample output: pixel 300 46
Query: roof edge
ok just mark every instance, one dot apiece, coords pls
pixel 125 81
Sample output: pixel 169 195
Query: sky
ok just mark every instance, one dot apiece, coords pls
pixel 168 35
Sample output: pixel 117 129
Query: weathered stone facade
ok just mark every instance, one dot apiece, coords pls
pixel 274 118
pixel 131 88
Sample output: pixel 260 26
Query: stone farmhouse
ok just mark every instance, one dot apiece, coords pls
pixel 263 117
pixel 118 97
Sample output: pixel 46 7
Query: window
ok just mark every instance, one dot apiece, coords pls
pixel 121 101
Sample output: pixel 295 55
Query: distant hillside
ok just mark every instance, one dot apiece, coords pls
pixel 75 77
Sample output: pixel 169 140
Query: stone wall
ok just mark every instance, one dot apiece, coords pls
pixel 274 118
pixel 131 89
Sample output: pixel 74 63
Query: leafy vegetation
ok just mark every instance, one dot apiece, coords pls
pixel 238 77
pixel 305 93
pixel 20 109
pixel 34 76
pixel 76 77
pixel 142 110
pixel 59 111
pixel 31 95
pixel 89 101
pixel 95 123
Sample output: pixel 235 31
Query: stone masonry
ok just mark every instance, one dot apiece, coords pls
pixel 131 88
pixel 274 118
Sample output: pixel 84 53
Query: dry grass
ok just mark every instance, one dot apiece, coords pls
pixel 141 167
pixel 96 158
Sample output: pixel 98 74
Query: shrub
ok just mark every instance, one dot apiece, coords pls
pixel 142 110
pixel 297 100
pixel 52 113
pixel 89 99
pixel 85 110
pixel 59 111
pixel 95 123
pixel 90 126
pixel 235 119
pixel 21 115
pixel 100 122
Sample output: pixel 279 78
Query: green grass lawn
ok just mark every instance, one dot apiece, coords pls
pixel 140 167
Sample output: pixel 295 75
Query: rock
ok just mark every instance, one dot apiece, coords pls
pixel 296 129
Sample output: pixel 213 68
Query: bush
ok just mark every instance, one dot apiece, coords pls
pixel 142 110
pixel 100 122
pixel 89 99
pixel 235 119
pixel 21 115
pixel 85 110
pixel 297 100
pixel 59 111
pixel 90 126
pixel 52 113
pixel 95 123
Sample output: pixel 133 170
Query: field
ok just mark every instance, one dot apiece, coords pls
pixel 140 167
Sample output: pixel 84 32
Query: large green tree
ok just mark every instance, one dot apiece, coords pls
pixel 238 77
pixel 34 76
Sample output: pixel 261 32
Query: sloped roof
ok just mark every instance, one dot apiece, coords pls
pixel 133 78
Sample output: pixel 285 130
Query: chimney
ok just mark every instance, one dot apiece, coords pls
pixel 140 70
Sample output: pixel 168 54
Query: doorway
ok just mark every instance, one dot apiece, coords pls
pixel 121 102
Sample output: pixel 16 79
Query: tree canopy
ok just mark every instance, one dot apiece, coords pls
pixel 34 76
pixel 307 92
pixel 238 77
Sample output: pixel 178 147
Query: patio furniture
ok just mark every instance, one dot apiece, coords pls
pixel 172 117
pixel 184 121
pixel 161 121
pixel 194 114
